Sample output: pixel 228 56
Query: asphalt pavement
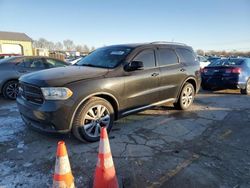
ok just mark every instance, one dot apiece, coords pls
pixel 206 146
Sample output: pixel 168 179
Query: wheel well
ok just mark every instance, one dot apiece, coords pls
pixel 112 101
pixel 192 81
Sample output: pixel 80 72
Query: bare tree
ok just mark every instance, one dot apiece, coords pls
pixel 58 46
pixel 69 45
pixel 79 48
pixel 41 43
pixel 85 49
pixel 92 49
pixel 51 46
pixel 200 52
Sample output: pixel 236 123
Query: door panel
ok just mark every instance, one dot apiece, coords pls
pixel 171 78
pixel 172 73
pixel 141 86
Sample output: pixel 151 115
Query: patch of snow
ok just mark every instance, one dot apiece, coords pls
pixel 10 123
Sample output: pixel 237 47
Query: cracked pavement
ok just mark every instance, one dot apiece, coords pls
pixel 206 146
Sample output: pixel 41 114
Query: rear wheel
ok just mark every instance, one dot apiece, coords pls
pixel 246 91
pixel 186 97
pixel 91 116
pixel 10 89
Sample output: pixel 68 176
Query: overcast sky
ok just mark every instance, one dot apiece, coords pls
pixel 203 24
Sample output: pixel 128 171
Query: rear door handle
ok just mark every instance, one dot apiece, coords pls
pixel 155 74
pixel 182 70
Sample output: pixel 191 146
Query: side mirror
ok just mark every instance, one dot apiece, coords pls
pixel 134 65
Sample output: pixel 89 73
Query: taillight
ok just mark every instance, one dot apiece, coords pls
pixel 236 70
pixel 228 71
pixel 205 70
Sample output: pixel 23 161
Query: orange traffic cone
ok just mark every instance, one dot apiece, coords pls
pixel 63 177
pixel 105 176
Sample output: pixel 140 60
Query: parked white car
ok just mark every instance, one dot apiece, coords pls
pixel 75 60
pixel 203 61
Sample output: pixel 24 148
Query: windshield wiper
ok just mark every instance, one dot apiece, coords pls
pixel 89 65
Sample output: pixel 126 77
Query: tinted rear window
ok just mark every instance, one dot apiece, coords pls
pixel 167 57
pixel 227 62
pixel 185 55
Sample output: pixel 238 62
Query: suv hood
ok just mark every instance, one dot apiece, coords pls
pixel 63 75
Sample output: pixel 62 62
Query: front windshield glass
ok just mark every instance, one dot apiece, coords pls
pixel 107 57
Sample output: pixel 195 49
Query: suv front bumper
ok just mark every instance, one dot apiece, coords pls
pixel 51 116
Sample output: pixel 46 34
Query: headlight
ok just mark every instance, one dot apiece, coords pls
pixel 56 93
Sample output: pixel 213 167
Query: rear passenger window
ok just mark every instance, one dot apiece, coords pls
pixel 185 55
pixel 26 62
pixel 167 57
pixel 147 57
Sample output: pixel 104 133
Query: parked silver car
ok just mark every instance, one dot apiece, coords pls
pixel 13 67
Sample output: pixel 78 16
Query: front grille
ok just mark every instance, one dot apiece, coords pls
pixel 31 93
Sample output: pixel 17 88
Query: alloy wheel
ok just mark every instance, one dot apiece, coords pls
pixel 96 117
pixel 12 90
pixel 187 96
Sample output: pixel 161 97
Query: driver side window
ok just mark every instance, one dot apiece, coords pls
pixel 147 57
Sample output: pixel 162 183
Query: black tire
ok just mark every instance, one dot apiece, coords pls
pixel 10 89
pixel 81 121
pixel 246 91
pixel 183 104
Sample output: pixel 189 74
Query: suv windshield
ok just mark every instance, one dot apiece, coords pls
pixel 107 57
pixel 226 62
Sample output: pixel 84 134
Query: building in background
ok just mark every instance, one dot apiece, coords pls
pixel 15 43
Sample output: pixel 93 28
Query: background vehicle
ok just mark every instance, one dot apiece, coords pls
pixel 75 60
pixel 203 61
pixel 231 73
pixel 212 59
pixel 108 84
pixel 13 67
pixel 3 56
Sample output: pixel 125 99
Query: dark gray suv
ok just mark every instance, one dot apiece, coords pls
pixel 108 84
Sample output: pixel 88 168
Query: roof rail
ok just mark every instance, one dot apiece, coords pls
pixel 164 42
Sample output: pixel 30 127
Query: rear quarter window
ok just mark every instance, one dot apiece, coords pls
pixel 186 56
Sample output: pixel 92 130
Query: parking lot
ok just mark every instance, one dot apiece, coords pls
pixel 206 146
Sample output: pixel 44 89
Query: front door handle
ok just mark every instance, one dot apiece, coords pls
pixel 182 70
pixel 155 74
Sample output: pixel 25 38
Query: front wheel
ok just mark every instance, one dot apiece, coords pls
pixel 246 91
pixel 90 117
pixel 186 97
pixel 10 89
